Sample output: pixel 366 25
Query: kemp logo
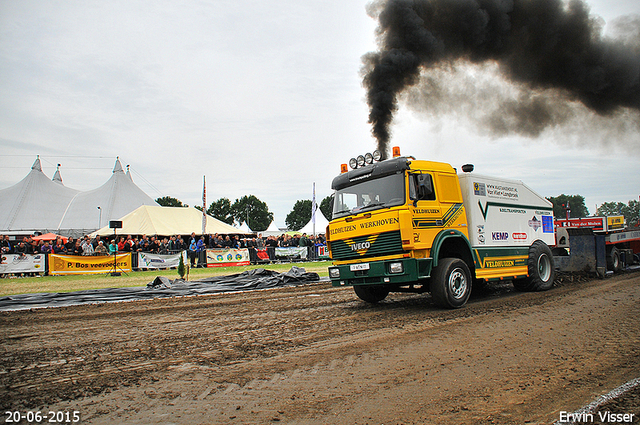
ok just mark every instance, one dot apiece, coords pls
pixel 499 236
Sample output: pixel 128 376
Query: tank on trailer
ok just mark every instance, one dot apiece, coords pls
pixel 502 212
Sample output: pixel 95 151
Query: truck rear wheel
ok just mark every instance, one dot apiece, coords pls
pixel 451 283
pixel 613 260
pixel 540 269
pixel 371 293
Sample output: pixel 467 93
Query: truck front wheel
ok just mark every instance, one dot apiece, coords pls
pixel 371 293
pixel 451 283
pixel 540 269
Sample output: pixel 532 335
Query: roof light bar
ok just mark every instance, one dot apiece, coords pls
pixel 366 159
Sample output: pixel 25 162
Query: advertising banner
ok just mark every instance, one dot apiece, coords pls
pixel 501 213
pixel 595 223
pixel 16 263
pixel 292 252
pixel 598 224
pixel 147 260
pixel 74 264
pixel 323 252
pixel 615 222
pixel 227 257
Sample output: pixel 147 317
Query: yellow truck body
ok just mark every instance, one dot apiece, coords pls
pixel 417 226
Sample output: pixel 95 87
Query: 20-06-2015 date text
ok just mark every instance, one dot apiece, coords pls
pixel 52 417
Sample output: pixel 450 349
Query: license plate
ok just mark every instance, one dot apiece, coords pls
pixel 356 267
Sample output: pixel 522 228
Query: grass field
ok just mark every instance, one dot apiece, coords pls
pixel 31 285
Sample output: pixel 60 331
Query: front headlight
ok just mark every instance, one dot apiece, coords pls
pixel 334 273
pixel 396 268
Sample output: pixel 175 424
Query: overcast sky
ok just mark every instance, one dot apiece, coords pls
pixel 261 97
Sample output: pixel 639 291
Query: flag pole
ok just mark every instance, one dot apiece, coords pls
pixel 313 210
pixel 204 205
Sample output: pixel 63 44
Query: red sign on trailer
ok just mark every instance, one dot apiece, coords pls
pixel 596 223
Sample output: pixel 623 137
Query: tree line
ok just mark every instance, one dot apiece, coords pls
pixel 576 207
pixel 251 210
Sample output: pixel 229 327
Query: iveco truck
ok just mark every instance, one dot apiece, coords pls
pixel 407 225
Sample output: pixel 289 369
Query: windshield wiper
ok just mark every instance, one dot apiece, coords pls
pixel 375 204
pixel 357 210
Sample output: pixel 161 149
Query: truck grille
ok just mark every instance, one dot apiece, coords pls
pixel 388 243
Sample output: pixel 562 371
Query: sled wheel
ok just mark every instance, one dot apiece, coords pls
pixel 613 260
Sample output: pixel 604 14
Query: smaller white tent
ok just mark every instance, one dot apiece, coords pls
pixel 321 225
pixel 272 230
pixel 167 221
pixel 244 228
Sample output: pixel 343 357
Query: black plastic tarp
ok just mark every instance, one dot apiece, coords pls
pixel 162 287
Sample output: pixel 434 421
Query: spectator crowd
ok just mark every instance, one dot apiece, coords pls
pixel 152 244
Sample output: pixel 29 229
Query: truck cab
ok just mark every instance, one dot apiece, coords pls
pixel 404 225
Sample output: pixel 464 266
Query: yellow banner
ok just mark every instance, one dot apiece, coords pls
pixel 75 264
pixel 615 222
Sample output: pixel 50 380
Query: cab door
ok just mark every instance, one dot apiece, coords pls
pixel 425 209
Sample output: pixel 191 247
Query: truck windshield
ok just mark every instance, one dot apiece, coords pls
pixel 369 195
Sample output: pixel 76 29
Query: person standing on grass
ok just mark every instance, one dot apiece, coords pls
pixel 193 246
pixel 101 249
pixel 179 243
pixel 46 248
pixel 59 247
pixel 6 245
pixel 87 247
pixel 201 246
pixel 113 247
pixel 70 245
pixel 95 242
pixel 21 249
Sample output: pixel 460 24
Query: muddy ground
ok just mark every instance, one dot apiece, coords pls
pixel 318 355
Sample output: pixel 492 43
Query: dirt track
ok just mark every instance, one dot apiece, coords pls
pixel 317 354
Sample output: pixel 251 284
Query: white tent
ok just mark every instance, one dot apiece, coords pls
pixel 167 221
pixel 91 210
pixel 320 226
pixel 35 203
pixel 244 228
pixel 272 230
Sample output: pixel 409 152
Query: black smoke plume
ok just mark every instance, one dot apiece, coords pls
pixel 538 44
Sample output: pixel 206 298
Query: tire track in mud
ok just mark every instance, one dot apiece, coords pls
pixel 89 349
pixel 235 340
pixel 410 370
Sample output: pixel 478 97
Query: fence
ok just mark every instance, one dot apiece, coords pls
pixel 55 264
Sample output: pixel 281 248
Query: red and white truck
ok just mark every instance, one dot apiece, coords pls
pixel 622 245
